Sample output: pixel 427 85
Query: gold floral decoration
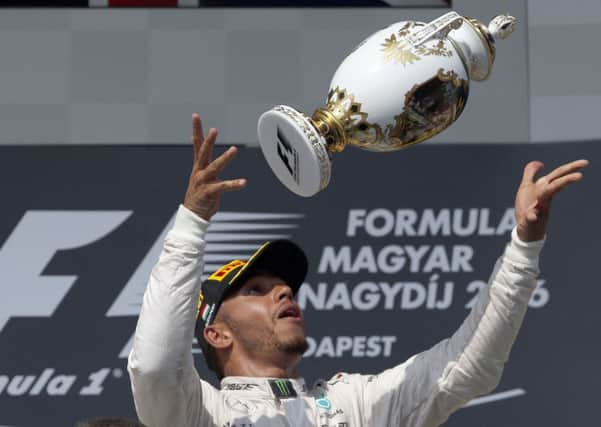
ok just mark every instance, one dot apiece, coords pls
pixel 396 48
pixel 398 51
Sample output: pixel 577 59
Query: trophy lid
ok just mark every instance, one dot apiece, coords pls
pixel 294 150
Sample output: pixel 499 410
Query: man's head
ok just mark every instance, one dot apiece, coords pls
pixel 247 311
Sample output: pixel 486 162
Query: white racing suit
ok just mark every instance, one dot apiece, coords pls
pixel 422 391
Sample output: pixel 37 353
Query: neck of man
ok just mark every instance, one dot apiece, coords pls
pixel 278 365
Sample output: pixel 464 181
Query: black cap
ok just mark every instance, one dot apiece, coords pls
pixel 282 258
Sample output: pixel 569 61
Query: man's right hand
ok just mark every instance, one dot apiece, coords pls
pixel 204 187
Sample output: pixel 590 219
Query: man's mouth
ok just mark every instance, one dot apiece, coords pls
pixel 290 311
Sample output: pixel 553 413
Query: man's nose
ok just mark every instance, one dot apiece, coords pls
pixel 283 291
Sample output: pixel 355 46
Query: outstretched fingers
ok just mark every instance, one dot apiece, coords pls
pixel 206 149
pixel 197 134
pixel 561 177
pixel 566 169
pixel 220 162
pixel 227 185
pixel 559 184
pixel 530 170
pixel 204 186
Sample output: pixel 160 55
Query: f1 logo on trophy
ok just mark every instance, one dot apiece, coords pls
pixel 402 85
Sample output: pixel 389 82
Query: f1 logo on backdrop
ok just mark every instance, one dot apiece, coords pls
pixel 39 235
pixel 30 248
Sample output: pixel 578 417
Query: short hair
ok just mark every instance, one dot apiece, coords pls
pixel 109 422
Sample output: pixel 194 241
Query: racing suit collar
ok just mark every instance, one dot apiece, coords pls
pixel 278 388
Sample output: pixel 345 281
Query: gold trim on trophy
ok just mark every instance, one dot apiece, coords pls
pixel 487 40
pixel 330 128
pixel 343 122
pixel 438 50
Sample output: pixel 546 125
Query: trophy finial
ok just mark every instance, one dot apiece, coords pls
pixel 502 26
pixel 482 40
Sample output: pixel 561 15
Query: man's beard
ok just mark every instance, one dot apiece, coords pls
pixel 294 345
pixel 264 340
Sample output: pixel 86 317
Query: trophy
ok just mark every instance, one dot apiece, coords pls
pixel 400 86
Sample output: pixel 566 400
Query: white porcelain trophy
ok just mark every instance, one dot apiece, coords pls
pixel 400 86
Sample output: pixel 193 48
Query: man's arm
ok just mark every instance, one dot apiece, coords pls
pixel 426 389
pixel 166 387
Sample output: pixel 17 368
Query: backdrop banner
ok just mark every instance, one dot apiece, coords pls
pixel 399 245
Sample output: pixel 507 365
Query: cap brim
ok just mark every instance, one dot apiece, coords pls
pixel 282 258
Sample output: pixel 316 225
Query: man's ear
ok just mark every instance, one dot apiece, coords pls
pixel 218 335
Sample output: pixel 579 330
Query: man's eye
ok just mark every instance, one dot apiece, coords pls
pixel 254 290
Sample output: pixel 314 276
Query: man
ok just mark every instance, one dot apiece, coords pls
pixel 252 333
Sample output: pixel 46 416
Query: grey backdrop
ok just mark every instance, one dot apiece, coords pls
pixel 564 62
pixel 135 75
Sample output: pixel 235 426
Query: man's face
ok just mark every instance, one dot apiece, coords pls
pixel 264 318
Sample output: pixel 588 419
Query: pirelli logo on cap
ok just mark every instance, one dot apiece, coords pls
pixel 222 273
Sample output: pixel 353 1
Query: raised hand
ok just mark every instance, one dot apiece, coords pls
pixel 204 187
pixel 533 198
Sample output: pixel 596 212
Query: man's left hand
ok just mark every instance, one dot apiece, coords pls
pixel 533 198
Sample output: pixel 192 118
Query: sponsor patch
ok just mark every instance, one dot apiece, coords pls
pixel 282 388
pixel 245 407
pixel 207 313
pixel 239 386
pixel 323 403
